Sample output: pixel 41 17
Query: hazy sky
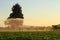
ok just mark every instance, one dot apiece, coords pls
pixel 36 12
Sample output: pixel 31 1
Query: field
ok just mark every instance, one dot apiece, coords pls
pixel 47 35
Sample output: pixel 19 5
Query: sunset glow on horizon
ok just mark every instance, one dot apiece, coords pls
pixel 35 22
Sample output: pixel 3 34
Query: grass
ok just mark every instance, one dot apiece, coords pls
pixel 46 35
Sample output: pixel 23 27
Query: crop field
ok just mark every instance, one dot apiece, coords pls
pixel 46 35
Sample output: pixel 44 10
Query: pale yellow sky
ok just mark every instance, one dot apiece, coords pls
pixel 36 12
pixel 35 22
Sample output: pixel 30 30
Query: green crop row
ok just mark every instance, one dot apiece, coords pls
pixel 47 35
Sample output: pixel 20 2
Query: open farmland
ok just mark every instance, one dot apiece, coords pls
pixel 43 35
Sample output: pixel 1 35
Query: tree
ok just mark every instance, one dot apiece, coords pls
pixel 16 12
pixel 56 27
pixel 16 17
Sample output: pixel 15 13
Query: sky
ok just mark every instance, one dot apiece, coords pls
pixel 36 12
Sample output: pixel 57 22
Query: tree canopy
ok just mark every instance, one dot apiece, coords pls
pixel 16 12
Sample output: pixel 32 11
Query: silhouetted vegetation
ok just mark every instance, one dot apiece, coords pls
pixel 56 27
pixel 16 12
